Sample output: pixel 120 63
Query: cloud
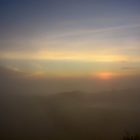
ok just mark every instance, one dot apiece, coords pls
pixel 93 31
pixel 64 55
pixel 10 72
pixel 130 68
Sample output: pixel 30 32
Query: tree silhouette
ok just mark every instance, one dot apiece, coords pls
pixel 135 137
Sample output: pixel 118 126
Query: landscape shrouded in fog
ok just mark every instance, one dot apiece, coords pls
pixel 70 70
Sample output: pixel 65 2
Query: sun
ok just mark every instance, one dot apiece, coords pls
pixel 105 75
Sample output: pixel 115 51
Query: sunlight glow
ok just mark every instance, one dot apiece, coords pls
pixel 60 55
pixel 105 75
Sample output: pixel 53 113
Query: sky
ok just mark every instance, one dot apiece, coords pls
pixel 71 38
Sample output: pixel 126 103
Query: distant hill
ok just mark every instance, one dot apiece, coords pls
pixel 70 115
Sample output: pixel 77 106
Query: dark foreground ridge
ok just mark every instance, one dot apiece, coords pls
pixel 71 116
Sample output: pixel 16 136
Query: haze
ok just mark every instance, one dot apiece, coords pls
pixel 69 69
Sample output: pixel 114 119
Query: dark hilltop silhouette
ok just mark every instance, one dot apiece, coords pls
pixel 71 116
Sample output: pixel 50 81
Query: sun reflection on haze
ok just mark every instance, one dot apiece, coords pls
pixel 105 75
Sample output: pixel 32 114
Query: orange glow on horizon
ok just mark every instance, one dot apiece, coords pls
pixel 105 75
